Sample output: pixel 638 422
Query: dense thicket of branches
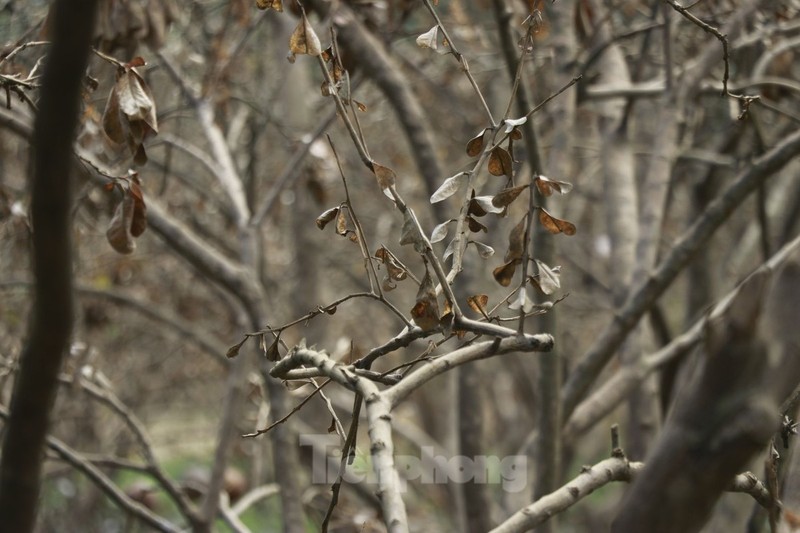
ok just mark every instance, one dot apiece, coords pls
pixel 538 220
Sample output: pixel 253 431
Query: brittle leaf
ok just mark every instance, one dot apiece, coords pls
pixel 505 272
pixel 439 232
pixel 119 229
pixel 449 187
pixel 385 175
pixel 500 163
pixel 426 310
pixel 304 39
pixel 326 217
pixel 484 250
pixel 475 145
pixel 429 39
pixel 548 280
pixel 507 196
pixel 546 186
pixel 516 240
pixel 556 225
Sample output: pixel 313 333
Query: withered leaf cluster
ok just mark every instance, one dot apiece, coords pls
pixel 130 114
pixel 396 271
pixel 339 214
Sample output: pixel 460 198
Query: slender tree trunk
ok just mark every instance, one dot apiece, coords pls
pixel 72 25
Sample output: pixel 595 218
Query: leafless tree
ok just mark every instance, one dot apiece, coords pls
pixel 504 191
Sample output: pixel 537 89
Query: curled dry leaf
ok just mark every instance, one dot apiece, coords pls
pixel 546 186
pixel 426 310
pixel 449 250
pixel 139 221
pixel 130 218
pixel 556 225
pixel 505 272
pixel 429 39
pixel 130 114
pixel 385 175
pixel 277 5
pixel 522 302
pixel 272 353
pixel 475 226
pixel 507 196
pixel 304 39
pixel 341 223
pixel 500 163
pixel 233 351
pixel 410 233
pixel 484 250
pixel 326 217
pixel 439 232
pixel 516 240
pixel 119 229
pixel 449 187
pixel 475 145
pixel 512 123
pixel 548 280
pixel 478 304
pixel 480 205
pixel 397 271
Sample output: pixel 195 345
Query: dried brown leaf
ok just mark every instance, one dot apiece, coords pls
pixel 475 145
pixel 516 240
pixel 326 217
pixel 478 303
pixel 500 163
pixel 547 186
pixel 341 223
pixel 272 353
pixel 505 272
pixel 385 175
pixel 394 267
pixel 426 310
pixel 480 205
pixel 233 351
pixel 119 229
pixel 304 39
pixel 139 220
pixel 556 225
pixel 475 226
pixel 507 196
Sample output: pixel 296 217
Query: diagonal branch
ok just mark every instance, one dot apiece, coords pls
pixel 642 298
